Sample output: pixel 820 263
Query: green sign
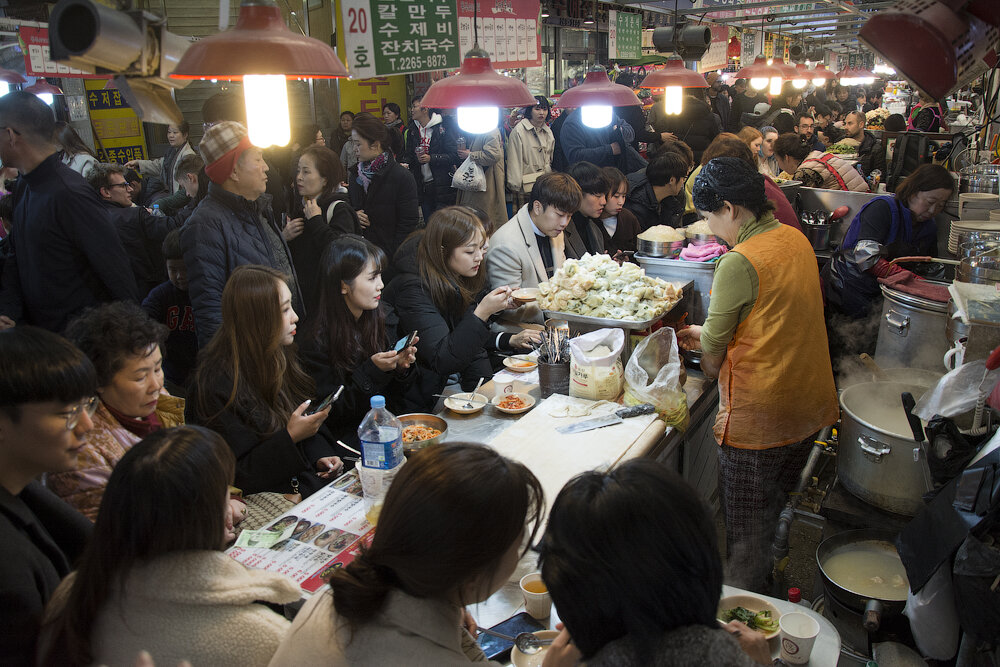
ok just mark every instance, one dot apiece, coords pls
pixel 625 38
pixel 383 37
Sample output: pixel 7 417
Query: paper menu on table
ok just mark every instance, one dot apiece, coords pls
pixel 328 530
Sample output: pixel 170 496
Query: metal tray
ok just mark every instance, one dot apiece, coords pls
pixel 604 322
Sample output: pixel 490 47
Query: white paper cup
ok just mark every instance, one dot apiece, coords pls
pixel 505 387
pixel 538 605
pixel 798 634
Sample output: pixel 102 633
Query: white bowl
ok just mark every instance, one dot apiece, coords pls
pixel 456 402
pixel 535 659
pixel 517 363
pixel 752 603
pixel 527 398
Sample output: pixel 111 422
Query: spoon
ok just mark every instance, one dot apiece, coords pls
pixel 468 405
pixel 526 642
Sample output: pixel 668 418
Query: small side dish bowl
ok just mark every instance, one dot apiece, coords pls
pixel 527 402
pixel 520 363
pixel 457 402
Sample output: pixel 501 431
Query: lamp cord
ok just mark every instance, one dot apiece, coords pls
pixel 475 21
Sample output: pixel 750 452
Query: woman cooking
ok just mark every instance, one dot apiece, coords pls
pixel 888 227
pixel 764 338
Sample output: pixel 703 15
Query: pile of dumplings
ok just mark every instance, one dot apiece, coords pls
pixel 596 286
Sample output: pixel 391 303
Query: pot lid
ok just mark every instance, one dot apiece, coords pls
pixel 913 301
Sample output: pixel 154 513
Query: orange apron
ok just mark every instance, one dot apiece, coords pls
pixel 776 383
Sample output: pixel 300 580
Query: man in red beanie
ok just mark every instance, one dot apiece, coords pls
pixel 234 225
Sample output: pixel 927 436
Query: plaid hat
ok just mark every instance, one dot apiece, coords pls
pixel 221 147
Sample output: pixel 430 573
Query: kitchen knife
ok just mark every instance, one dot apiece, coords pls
pixel 608 420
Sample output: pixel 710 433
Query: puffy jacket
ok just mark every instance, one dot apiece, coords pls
pixel 224 232
pixel 390 203
pixel 817 171
pixel 443 150
pixel 871 154
pixel 643 204
pixel 581 143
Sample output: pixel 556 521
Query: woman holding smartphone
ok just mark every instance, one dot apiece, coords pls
pixel 250 388
pixel 441 293
pixel 351 341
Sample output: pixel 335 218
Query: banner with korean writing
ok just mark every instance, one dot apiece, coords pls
pixel 371 95
pixel 624 35
pixel 118 133
pixel 383 37
pixel 717 56
pixel 37 60
pixel 508 31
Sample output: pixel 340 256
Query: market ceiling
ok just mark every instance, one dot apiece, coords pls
pixel 833 24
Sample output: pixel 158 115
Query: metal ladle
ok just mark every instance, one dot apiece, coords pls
pixel 526 642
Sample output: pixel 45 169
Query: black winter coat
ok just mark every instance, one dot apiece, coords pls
pixel 444 159
pixel 264 461
pixel 224 232
pixel 65 252
pixel 449 342
pixel 40 539
pixel 390 203
pixel 696 125
pixel 642 203
pixel 142 235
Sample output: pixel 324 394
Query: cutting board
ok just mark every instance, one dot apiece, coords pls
pixel 555 457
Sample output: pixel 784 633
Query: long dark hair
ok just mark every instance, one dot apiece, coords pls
pixel 166 495
pixel 448 519
pixel 328 166
pixel 926 177
pixel 71 142
pixel 449 228
pixel 334 330
pixel 373 129
pixel 267 377
pixel 630 552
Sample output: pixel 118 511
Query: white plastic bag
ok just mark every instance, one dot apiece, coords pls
pixel 956 392
pixel 933 617
pixel 653 375
pixel 469 177
pixel 595 370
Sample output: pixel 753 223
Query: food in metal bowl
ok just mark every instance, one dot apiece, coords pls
pixel 422 430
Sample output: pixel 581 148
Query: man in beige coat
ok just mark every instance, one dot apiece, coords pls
pixel 534 243
pixel 487 151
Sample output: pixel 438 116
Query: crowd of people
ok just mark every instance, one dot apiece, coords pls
pixel 166 325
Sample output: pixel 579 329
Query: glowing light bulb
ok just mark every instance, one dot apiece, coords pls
pixel 478 120
pixel 758 83
pixel 4 88
pixel 819 83
pixel 673 100
pixel 46 97
pixel 775 85
pixel 596 115
pixel 799 84
pixel 867 81
pixel 266 98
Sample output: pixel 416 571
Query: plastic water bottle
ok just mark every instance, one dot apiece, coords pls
pixel 795 595
pixel 381 437
pixel 156 210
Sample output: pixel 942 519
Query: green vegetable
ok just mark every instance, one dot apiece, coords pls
pixel 842 149
pixel 759 620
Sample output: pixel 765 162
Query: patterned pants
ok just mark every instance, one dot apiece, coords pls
pixel 755 486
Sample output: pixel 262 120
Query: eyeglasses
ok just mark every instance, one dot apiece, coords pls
pixel 73 415
pixel 123 184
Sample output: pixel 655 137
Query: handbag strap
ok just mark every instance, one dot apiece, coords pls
pixel 329 211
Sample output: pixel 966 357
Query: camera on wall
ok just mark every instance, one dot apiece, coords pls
pixel 690 42
pixel 135 46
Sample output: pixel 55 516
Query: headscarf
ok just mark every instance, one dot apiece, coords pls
pixel 728 179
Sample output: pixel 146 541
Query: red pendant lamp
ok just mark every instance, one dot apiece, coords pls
pixel 760 72
pixel 478 92
pixel 673 78
pixel 852 76
pixel 261 52
pixel 596 96
pixel 10 76
pixel 43 87
pixel 820 74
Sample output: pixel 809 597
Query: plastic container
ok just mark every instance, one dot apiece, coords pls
pixel 156 210
pixel 382 456
pixel 795 595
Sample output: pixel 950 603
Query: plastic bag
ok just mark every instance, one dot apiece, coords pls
pixel 933 617
pixel 469 177
pixel 653 375
pixel 595 368
pixel 957 392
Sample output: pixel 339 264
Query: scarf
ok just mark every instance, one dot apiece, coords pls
pixel 140 427
pixel 367 170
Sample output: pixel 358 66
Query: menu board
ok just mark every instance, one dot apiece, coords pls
pixel 316 537
pixel 507 30
pixel 624 35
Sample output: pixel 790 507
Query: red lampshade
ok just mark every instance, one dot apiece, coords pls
pixel 856 73
pixel 260 43
pixel 821 72
pixel 10 76
pixel 788 71
pixel 803 72
pixel 477 84
pixel 759 69
pixel 734 48
pixel 597 89
pixel 43 86
pixel 674 74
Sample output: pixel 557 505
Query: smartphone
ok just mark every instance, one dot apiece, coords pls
pixel 499 649
pixel 404 342
pixel 334 395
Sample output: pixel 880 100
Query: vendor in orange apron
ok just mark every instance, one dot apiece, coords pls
pixel 765 339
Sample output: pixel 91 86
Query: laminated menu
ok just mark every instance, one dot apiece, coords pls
pixel 319 535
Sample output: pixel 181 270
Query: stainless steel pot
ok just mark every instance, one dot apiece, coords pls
pixel 818 234
pixel 911 333
pixel 874 609
pixel 878 461
pixel 984 270
pixel 659 248
pixel 980 178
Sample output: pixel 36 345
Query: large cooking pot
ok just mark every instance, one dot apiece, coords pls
pixel 871 548
pixel 878 460
pixel 911 332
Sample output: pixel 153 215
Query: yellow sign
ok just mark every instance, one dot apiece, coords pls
pixel 117 131
pixel 372 94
